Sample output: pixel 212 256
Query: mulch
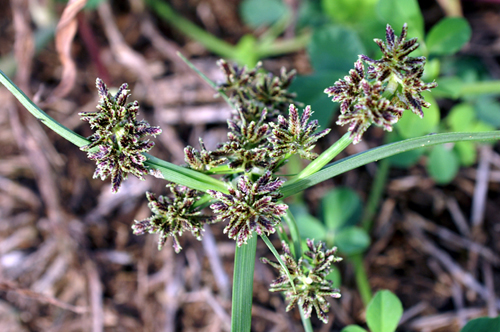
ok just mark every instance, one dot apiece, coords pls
pixel 69 260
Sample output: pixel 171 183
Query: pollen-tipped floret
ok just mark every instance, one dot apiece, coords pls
pixel 308 286
pixel 172 216
pixel 296 135
pixel 253 90
pixel 117 145
pixel 249 207
pixel 395 54
pixel 380 93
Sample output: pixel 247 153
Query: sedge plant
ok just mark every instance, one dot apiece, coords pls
pixel 238 183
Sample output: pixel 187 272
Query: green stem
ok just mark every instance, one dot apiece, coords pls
pixel 41 115
pixel 278 47
pixel 361 278
pixel 305 321
pixel 482 87
pixel 209 41
pixel 206 79
pixel 278 257
pixel 294 233
pixel 185 176
pixel 323 158
pixel 297 253
pixel 375 194
pixel 244 265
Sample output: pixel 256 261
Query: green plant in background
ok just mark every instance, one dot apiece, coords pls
pixel 382 314
pixel 249 49
pixel 264 131
pixel 349 26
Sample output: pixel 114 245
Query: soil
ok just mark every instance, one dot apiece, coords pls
pixel 68 258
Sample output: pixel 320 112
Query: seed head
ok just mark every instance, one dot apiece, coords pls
pixel 311 288
pixel 250 206
pixel 117 137
pixel 380 93
pixel 296 135
pixel 172 216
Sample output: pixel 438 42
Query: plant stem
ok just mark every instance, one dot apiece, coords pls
pixel 244 265
pixel 277 256
pixel 361 278
pixel 206 79
pixel 305 321
pixel 476 88
pixel 283 46
pixel 47 120
pixel 185 176
pixel 294 233
pixel 297 253
pixel 375 194
pixel 324 158
pixel 209 41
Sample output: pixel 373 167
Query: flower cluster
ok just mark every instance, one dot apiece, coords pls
pixel 297 135
pixel 253 89
pixel 385 89
pixel 250 206
pixel 308 276
pixel 259 137
pixel 173 216
pixel 118 137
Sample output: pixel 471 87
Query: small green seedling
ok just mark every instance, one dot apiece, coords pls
pixel 382 314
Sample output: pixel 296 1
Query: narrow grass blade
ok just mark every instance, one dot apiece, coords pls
pixel 170 172
pixel 382 152
pixel 41 115
pixel 244 265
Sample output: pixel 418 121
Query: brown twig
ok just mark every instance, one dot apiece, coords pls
pixel 6 285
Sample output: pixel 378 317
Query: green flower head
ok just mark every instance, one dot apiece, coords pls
pixel 250 206
pixel 381 92
pixel 310 287
pixel 173 216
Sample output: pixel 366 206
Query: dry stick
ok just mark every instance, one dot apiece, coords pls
pixel 428 247
pixel 490 284
pixel 384 230
pixel 166 48
pixel 220 275
pixel 458 300
pixel 458 216
pixel 435 322
pixel 479 203
pixel 174 287
pixel 481 188
pixel 6 285
pixel 413 311
pixel 205 295
pixel 19 192
pixel 131 59
pixel 54 272
pixel 44 175
pixel 447 235
pixel 95 289
pixel 24 45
